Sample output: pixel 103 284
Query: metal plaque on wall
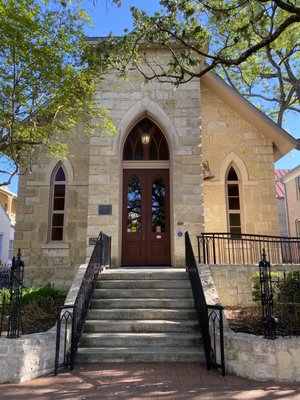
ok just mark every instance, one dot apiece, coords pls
pixel 105 209
pixel 92 241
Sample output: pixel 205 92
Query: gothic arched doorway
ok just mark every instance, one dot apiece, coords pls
pixel 146 198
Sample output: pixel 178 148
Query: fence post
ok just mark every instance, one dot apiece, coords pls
pixel 15 294
pixel 267 298
pixel 204 248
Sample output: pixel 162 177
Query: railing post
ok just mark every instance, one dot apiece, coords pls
pixel 57 345
pixel 204 248
pixel 222 342
pixel 267 298
pixel 214 249
pixel 15 294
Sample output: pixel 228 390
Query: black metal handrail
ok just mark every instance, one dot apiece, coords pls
pixel 228 248
pixel 207 314
pixel 100 258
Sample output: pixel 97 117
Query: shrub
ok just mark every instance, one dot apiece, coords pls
pixel 42 298
pixel 285 287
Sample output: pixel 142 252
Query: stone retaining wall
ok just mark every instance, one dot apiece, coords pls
pixel 233 282
pixel 246 355
pixel 258 358
pixel 31 356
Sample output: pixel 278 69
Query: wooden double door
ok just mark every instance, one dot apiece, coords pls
pixel 146 217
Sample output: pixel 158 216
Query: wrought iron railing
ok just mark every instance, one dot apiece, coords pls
pixel 11 317
pixel 73 316
pixel 227 248
pixel 5 271
pixel 210 317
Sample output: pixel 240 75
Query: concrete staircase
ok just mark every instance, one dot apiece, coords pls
pixel 141 315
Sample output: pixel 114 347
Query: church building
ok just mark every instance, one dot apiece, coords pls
pixel 196 158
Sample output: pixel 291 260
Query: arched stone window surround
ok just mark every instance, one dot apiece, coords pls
pixel 157 149
pixel 151 110
pixel 57 214
pixel 67 166
pixel 232 159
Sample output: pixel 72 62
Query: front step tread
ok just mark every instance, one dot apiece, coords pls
pixel 141 303
pixel 150 325
pixel 140 284
pixel 142 293
pixel 144 354
pixel 143 313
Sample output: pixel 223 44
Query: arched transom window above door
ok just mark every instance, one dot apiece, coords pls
pixel 146 142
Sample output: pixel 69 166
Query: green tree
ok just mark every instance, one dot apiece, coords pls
pixel 253 43
pixel 46 79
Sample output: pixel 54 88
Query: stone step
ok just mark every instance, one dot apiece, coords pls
pixel 170 339
pixel 144 273
pixel 142 303
pixel 142 293
pixel 137 354
pixel 125 313
pixel 143 284
pixel 140 326
pixel 140 315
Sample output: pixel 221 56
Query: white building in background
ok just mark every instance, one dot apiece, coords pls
pixel 7 224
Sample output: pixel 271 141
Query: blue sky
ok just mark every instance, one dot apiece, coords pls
pixel 108 18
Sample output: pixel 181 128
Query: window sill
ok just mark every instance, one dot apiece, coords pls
pixel 56 245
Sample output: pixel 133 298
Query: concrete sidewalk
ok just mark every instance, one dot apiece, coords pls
pixel 147 381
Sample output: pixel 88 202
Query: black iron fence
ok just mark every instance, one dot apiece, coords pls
pixel 73 316
pixel 210 317
pixel 226 248
pixel 11 317
pixel 5 271
pixel 280 300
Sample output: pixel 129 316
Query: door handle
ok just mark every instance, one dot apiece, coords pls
pixel 143 236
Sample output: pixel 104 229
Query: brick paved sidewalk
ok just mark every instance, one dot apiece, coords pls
pixel 147 381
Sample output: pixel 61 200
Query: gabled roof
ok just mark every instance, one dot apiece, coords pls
pixel 292 174
pixel 283 142
pixel 6 191
pixel 280 189
pixel 4 213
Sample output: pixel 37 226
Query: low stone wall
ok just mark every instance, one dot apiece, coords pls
pixel 234 285
pixel 31 356
pixel 27 357
pixel 246 355
pixel 262 359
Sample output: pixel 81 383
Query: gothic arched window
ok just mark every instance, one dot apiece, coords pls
pixel 234 217
pixel 146 142
pixel 58 204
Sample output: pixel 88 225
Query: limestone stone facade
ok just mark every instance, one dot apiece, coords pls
pixel 198 124
pixel 232 140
